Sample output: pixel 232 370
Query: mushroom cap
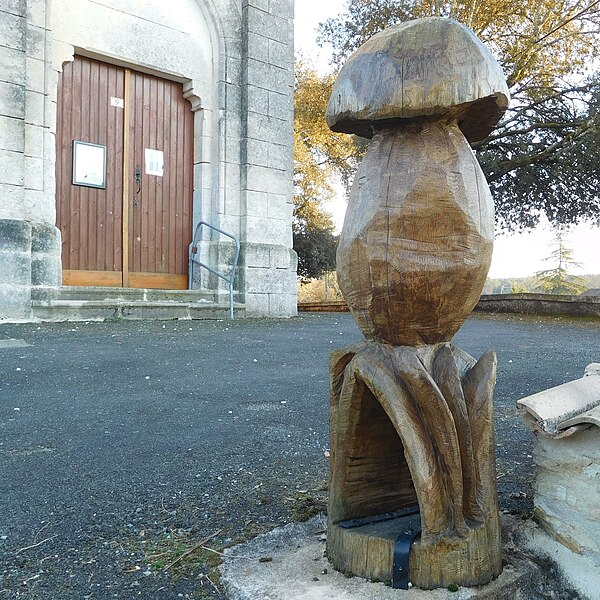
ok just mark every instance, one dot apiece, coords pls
pixel 422 69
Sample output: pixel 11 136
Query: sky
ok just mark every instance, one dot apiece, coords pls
pixel 519 255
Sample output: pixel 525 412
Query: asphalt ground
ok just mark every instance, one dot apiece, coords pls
pixel 128 448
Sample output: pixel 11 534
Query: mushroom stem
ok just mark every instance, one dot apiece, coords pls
pixel 417 240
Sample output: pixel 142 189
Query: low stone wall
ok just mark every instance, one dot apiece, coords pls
pixel 530 304
pixel 337 306
pixel 541 304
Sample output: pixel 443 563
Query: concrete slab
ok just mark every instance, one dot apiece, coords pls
pixel 100 310
pixel 86 293
pixel 580 572
pixel 290 564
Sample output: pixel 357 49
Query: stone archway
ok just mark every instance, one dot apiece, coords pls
pixel 184 47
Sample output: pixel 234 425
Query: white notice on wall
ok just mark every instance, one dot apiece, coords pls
pixel 117 102
pixel 89 164
pixel 154 162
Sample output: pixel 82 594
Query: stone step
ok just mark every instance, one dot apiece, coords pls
pixel 133 294
pixel 99 310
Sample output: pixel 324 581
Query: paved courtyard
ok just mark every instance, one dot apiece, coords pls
pixel 125 444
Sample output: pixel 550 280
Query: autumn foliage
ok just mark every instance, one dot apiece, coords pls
pixel 544 159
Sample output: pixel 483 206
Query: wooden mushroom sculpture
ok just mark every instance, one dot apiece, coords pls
pixel 411 414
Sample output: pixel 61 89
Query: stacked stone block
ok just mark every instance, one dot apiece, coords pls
pixel 267 157
pixel 235 58
pixel 29 242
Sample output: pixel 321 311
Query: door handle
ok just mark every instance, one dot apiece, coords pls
pixel 138 182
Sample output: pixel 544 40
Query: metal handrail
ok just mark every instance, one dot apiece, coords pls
pixel 194 260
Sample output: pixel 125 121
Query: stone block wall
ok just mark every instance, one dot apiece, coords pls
pixel 567 489
pixel 267 157
pixel 27 210
pixel 45 260
pixel 255 179
pixel 235 60
pixel 15 266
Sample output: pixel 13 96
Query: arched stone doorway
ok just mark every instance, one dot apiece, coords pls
pixel 126 83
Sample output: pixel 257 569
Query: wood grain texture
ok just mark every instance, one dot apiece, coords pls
pixel 126 174
pixel 116 229
pixel 417 239
pixel 411 415
pixel 413 425
pixel 160 213
pixel 89 218
pixel 92 278
pixel 368 552
pixel 426 68
pixel 158 281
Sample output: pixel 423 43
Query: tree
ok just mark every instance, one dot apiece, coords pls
pixel 557 280
pixel 504 286
pixel 518 286
pixel 316 250
pixel 319 156
pixel 544 158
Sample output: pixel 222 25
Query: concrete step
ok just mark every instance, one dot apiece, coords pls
pixel 100 310
pixel 133 294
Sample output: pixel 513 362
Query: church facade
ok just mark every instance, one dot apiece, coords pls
pixel 127 128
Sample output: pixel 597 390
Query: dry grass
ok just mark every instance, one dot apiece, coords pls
pixel 320 290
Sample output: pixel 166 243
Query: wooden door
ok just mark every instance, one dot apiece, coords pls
pixel 90 219
pixel 160 207
pixel 134 231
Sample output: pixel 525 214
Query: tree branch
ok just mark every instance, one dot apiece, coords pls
pixel 540 156
pixel 569 20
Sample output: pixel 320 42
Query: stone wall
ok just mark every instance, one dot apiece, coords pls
pixel 267 157
pixel 29 242
pixel 567 488
pixel 541 304
pixel 235 61
pixel 566 423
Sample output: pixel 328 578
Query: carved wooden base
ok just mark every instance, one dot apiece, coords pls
pixel 368 552
pixel 414 426
pixel 473 560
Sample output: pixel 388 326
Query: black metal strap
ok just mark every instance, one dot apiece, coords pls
pixel 405 512
pixel 409 524
pixel 411 530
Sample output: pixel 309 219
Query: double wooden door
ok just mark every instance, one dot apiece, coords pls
pixel 127 222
